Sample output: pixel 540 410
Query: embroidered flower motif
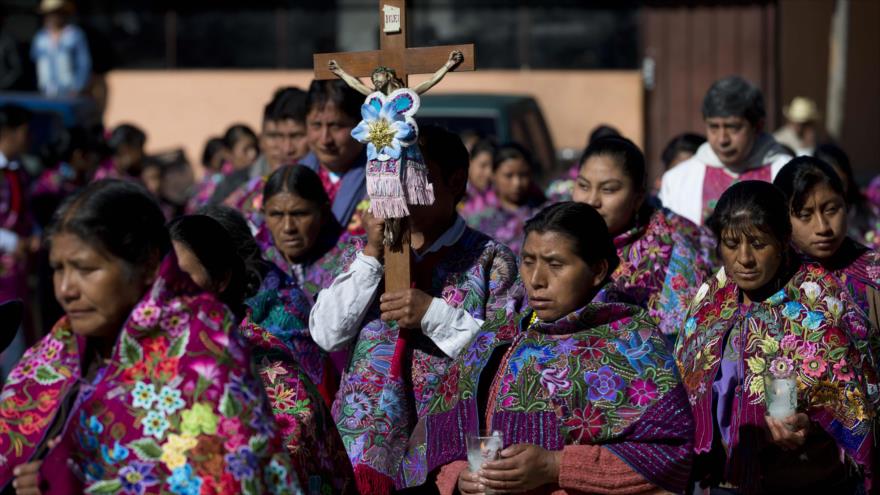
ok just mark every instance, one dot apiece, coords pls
pixel 206 368
pixel 174 449
pixel 453 296
pixel 789 342
pixel 704 289
pixel 808 349
pixel 814 366
pixel 51 350
pixel 813 319
pixel 811 290
pixel 555 380
pixel 143 395
pixel 721 277
pixel 184 482
pixel 689 326
pixel 169 400
pixel 792 310
pixel 155 425
pixel 781 367
pixel 242 463
pixel 174 323
pixel 136 477
pixel 835 307
pixel 642 392
pixel 114 455
pixel 199 419
pixel 585 424
pixel 276 476
pixel 146 314
pixel 777 298
pixel 604 384
pixel 843 371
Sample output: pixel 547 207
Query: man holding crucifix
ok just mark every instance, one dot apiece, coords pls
pixel 405 332
pixel 402 341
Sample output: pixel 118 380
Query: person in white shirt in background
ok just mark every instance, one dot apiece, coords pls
pixel 737 149
pixel 402 342
pixel 801 131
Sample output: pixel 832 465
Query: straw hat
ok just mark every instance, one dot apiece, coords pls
pixel 801 110
pixel 49 6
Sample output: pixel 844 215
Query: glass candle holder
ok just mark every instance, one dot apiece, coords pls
pixel 780 395
pixel 482 449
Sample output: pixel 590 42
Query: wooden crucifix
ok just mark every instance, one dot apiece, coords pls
pixel 394 54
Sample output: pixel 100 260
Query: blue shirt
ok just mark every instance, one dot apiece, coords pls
pixel 63 65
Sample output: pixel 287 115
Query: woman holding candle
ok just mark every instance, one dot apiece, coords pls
pixel 765 318
pixel 818 212
pixel 584 395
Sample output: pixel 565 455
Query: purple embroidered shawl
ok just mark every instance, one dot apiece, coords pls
pixel 811 326
pixel 377 415
pixel 600 376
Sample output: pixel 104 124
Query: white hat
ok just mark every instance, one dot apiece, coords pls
pixel 801 110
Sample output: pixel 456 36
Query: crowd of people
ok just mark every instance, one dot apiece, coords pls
pixel 616 335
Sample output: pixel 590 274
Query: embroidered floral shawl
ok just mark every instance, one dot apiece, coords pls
pixel 206 187
pixel 661 267
pixel 377 416
pixel 808 328
pixel 600 376
pixel 176 410
pixel 46 373
pixel 290 364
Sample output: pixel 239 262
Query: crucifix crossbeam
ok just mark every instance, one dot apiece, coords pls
pixel 393 51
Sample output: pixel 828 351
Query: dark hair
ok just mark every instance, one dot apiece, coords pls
pixel 288 103
pixel 752 204
pixel 337 92
pixel 213 146
pixel 236 133
pixel 216 251
pixel 71 139
pixel 445 148
pixel 734 97
pixel 120 217
pixel 687 142
pixel 602 131
pixel 627 155
pixel 298 180
pixel 583 225
pixel 799 176
pixel 127 134
pixel 245 246
pixel 13 116
pixel 484 146
pixel 512 151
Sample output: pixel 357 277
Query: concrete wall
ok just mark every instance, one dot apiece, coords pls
pixel 184 108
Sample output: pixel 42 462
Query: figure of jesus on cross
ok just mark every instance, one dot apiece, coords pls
pixel 396 173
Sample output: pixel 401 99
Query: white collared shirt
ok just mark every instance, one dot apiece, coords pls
pixel 338 313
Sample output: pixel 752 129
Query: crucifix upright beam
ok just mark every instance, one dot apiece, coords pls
pixel 393 52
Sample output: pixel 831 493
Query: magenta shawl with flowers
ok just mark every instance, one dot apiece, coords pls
pixel 661 267
pixel 176 409
pixel 807 330
pixel 32 394
pixel 602 375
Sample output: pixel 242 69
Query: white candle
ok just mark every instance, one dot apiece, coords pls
pixel 781 398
